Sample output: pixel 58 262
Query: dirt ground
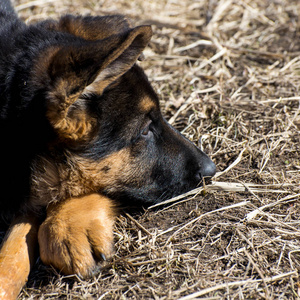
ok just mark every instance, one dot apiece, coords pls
pixel 228 76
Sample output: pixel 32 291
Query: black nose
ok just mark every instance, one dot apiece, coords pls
pixel 208 168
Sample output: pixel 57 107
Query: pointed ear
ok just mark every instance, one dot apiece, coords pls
pixel 121 60
pixel 87 67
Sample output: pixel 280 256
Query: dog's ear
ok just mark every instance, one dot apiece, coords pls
pixel 93 28
pixel 87 67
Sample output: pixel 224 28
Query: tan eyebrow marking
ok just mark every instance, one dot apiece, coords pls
pixel 147 104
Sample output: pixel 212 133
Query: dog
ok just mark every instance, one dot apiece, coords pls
pixel 81 133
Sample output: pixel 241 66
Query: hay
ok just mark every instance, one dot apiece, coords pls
pixel 228 76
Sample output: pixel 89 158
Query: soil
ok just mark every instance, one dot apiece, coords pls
pixel 228 76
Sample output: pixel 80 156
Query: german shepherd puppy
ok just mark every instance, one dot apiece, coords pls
pixel 81 130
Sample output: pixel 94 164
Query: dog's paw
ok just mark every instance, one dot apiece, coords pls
pixel 77 234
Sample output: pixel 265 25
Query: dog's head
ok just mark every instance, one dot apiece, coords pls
pixel 109 133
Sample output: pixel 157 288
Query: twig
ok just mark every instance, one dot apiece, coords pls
pixel 29 4
pixel 191 100
pixel 193 45
pixel 237 283
pixel 239 158
pixel 255 212
pixel 257 52
pixel 224 186
pixel 290 257
pixel 284 99
pixel 204 215
pixel 235 252
pixel 259 272
pixel 138 224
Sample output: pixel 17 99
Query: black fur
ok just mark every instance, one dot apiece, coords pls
pixel 163 162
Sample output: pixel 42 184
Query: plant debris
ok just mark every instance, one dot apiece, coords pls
pixel 228 76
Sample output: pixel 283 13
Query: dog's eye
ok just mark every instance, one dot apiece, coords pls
pixel 146 132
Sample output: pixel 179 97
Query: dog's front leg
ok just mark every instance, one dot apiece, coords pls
pixel 17 255
pixel 77 234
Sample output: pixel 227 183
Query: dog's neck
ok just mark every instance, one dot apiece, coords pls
pixel 53 181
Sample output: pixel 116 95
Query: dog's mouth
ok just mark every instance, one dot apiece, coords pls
pixel 150 194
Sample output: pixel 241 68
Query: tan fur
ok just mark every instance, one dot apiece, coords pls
pixel 70 120
pixel 71 124
pixel 78 229
pixel 75 231
pixel 119 61
pixel 65 111
pixel 17 255
pixel 146 105
pixel 101 30
pixel 74 176
pixel 100 83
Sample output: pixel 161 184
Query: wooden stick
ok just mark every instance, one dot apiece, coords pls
pixel 17 255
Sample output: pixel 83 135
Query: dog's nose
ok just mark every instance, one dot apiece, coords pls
pixel 208 168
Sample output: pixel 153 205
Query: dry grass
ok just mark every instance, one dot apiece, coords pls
pixel 228 75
